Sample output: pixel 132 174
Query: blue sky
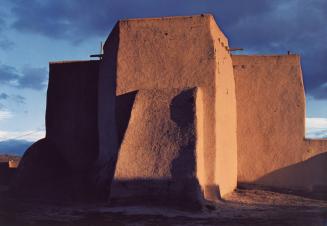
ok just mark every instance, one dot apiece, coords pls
pixel 34 32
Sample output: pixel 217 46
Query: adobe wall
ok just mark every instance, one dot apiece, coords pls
pixel 62 165
pixel 225 115
pixel 166 54
pixel 71 113
pixel 108 138
pixel 270 98
pixel 157 156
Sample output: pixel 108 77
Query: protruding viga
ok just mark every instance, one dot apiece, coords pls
pixel 148 64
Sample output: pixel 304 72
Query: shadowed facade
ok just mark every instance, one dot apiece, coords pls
pixel 169 116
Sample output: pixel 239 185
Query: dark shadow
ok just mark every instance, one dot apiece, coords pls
pixel 182 108
pixel 124 105
pixel 105 165
pixel 156 192
pixel 72 110
pixel 307 178
pixel 183 167
pixel 182 112
pixel 60 166
pixel 6 173
pixel 41 173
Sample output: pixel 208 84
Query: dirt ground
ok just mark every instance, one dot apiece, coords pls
pixel 244 207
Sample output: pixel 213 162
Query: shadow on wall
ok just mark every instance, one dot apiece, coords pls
pixel 182 108
pixel 177 186
pixel 311 172
pixel 124 105
pixel 182 112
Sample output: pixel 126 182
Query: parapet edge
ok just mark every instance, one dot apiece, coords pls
pixel 207 15
pixel 121 22
pixel 292 59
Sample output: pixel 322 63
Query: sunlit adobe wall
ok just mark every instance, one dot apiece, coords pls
pixel 272 150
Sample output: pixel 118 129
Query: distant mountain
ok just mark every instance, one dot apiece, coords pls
pixel 14 147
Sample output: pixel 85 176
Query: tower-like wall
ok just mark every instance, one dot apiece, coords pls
pixel 71 113
pixel 157 60
pixel 62 165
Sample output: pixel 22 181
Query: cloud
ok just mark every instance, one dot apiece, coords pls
pixel 320 92
pixel 8 75
pixel 18 99
pixel 263 26
pixel 316 133
pixel 33 78
pixel 79 20
pixel 30 78
pixel 6 44
pixel 316 128
pixel 283 27
pixel 3 96
pixel 29 135
pixel 5 115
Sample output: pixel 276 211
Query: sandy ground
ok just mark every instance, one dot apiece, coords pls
pixel 244 207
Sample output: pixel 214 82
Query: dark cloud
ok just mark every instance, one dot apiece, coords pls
pixel 2 22
pixel 6 44
pixel 8 74
pixel 3 96
pixel 30 78
pixel 320 92
pixel 259 26
pixel 18 99
pixel 33 78
pixel 79 20
pixel 297 26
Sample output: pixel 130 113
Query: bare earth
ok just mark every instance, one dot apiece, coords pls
pixel 244 207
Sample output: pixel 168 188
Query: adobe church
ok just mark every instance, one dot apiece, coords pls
pixel 169 116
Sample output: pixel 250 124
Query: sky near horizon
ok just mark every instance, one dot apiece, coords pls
pixel 34 32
